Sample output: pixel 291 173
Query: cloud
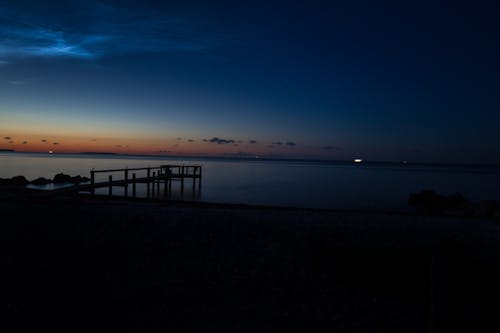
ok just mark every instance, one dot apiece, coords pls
pixel 25 142
pixel 55 143
pixel 3 63
pixel 95 31
pixel 219 141
pixel 11 141
pixel 16 82
pixel 331 148
pixel 190 140
pixel 252 141
pixel 179 139
pixel 288 143
pixel 43 140
pixel 7 138
pixel 20 40
pixel 21 82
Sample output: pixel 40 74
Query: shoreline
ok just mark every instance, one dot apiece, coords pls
pixel 231 267
pixel 26 193
pixel 14 193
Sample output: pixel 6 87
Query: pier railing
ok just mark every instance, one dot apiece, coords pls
pixel 155 178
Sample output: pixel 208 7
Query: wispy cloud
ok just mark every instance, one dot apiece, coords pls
pixel 279 143
pixel 16 82
pixel 21 82
pixel 107 31
pixel 219 141
pixel 21 40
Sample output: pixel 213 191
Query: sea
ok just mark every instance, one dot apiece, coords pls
pixel 286 183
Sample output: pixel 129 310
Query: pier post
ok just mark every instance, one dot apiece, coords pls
pixel 182 179
pixel 147 181
pixel 199 179
pixel 158 180
pixel 92 182
pixel 194 177
pixel 169 180
pixel 110 190
pixel 126 183
pixel 165 181
pixel 133 185
pixel 153 184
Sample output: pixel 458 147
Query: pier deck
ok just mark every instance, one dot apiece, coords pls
pixel 155 179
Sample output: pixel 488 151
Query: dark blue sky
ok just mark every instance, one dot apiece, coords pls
pixel 383 80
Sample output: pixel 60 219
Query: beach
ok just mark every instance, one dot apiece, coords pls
pixel 87 262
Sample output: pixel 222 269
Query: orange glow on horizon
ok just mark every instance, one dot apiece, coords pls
pixel 192 145
pixel 146 146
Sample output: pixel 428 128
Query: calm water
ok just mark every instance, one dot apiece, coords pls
pixel 283 183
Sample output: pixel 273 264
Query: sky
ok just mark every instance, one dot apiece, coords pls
pixel 379 80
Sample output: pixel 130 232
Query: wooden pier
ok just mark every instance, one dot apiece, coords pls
pixel 157 179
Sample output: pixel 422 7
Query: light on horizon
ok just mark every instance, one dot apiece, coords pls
pixel 358 160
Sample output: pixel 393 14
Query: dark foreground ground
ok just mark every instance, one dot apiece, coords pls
pixel 77 263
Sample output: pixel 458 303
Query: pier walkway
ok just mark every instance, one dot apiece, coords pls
pixel 156 179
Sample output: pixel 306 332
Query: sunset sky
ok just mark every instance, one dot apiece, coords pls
pixel 381 80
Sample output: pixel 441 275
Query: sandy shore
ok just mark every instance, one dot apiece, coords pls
pixel 84 262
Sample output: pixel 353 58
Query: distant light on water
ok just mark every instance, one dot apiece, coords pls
pixel 51 152
pixel 358 160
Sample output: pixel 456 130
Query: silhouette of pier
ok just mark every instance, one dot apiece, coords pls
pixel 157 179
